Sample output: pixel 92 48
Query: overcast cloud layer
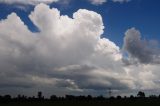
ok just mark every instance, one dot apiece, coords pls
pixel 69 55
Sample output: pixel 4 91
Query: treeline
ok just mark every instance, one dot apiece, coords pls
pixel 40 97
pixel 40 100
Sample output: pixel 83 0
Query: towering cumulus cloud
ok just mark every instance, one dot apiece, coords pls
pixel 67 55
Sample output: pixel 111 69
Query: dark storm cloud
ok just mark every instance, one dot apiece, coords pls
pixel 84 77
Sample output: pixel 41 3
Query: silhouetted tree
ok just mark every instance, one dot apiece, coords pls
pixel 125 97
pixel 53 97
pixel 152 96
pixel 131 97
pixel 100 97
pixel 141 94
pixel 69 99
pixel 119 97
pixel 39 95
pixel 89 97
pixel 7 97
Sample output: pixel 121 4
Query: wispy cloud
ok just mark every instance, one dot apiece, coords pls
pixel 26 2
pixel 121 1
pixel 100 2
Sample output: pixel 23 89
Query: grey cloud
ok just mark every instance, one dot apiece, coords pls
pixel 88 77
pixel 140 50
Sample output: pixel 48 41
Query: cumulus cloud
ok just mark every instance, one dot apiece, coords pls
pixel 30 2
pixel 140 50
pixel 68 55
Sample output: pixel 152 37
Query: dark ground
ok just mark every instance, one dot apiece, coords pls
pixel 70 100
pixel 115 102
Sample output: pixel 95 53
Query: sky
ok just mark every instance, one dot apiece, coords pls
pixel 79 47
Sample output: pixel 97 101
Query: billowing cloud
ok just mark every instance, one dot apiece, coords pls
pixel 68 55
pixel 31 2
pixel 140 50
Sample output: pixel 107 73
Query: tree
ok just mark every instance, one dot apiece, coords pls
pixel 53 97
pixel 141 94
pixel 39 95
